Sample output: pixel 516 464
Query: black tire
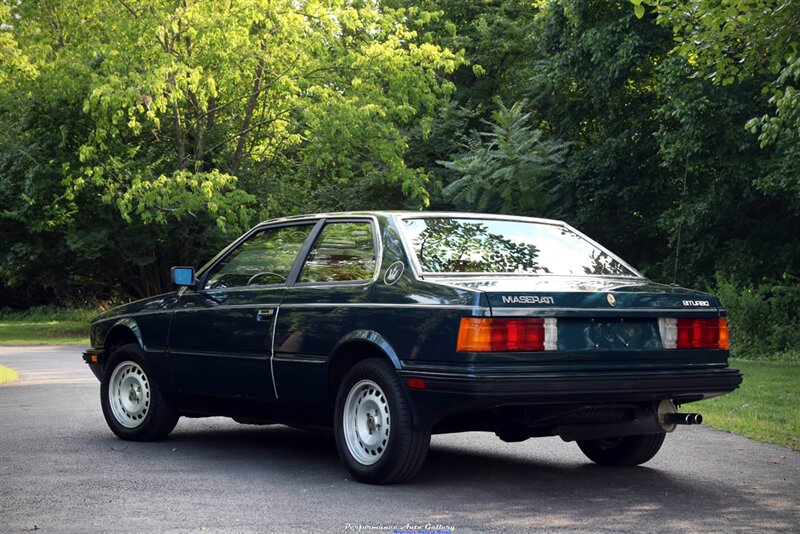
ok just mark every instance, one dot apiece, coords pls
pixel 404 449
pixel 625 451
pixel 142 414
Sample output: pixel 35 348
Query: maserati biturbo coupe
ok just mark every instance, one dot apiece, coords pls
pixel 387 327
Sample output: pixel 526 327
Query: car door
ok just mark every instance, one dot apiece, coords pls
pixel 329 299
pixel 220 340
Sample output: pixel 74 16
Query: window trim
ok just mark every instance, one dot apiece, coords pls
pixel 202 276
pixel 376 241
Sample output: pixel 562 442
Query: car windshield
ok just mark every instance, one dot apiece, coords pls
pixel 450 245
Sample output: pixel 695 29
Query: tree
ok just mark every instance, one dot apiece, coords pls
pixel 658 162
pixel 593 83
pixel 747 42
pixel 181 114
pixel 13 62
pixel 726 224
pixel 510 168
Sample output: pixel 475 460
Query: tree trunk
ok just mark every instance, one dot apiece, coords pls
pixel 248 117
pixel 179 140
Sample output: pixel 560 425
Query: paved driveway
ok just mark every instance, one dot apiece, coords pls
pixel 61 470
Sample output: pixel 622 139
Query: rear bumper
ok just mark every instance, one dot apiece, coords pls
pixel 448 394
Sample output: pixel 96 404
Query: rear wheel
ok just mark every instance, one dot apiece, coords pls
pixel 624 451
pixel 132 403
pixel 375 435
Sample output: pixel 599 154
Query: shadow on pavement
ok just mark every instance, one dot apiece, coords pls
pixel 511 487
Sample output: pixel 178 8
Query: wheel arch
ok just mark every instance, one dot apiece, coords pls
pixel 353 348
pixel 123 332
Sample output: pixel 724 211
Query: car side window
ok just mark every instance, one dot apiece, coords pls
pixel 265 258
pixel 343 252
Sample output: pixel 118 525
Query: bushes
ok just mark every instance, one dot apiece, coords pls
pixel 764 320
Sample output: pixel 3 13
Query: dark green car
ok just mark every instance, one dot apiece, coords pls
pixel 388 327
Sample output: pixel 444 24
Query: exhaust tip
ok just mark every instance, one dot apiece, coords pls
pixel 684 418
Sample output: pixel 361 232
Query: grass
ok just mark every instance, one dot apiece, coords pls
pixel 764 408
pixel 46 326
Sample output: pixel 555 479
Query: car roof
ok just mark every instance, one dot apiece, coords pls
pixel 414 215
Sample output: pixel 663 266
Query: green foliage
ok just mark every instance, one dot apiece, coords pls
pixel 145 133
pixel 593 84
pixel 164 198
pixel 730 41
pixel 235 89
pixel 13 62
pixel 728 224
pixel 764 319
pixel 497 38
pixel 509 168
pixel 735 40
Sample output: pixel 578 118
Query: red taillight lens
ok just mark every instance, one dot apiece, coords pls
pixel 702 334
pixel 479 334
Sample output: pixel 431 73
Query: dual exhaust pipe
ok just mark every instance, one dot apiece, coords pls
pixel 647 419
pixel 668 418
pixel 683 418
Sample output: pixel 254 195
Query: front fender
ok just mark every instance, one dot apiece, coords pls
pixel 128 324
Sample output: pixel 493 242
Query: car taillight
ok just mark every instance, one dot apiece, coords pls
pixel 694 333
pixel 525 334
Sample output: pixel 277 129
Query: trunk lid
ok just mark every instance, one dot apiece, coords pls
pixel 569 295
pixel 597 316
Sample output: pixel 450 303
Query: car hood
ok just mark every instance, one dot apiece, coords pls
pixel 144 305
pixel 582 292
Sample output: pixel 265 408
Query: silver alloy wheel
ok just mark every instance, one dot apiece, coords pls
pixel 367 422
pixel 129 394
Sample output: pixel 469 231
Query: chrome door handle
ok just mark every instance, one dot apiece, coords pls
pixel 265 314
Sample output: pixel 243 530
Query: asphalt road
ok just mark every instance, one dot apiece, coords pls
pixel 62 470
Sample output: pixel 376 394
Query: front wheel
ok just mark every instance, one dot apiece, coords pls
pixel 375 434
pixel 624 451
pixel 132 404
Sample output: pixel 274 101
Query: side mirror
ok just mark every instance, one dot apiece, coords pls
pixel 182 276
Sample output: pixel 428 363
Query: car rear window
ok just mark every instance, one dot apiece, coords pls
pixel 455 245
